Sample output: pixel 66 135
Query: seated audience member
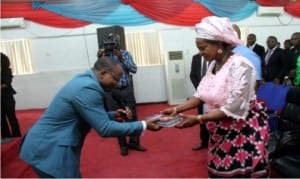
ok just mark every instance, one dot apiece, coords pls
pixel 237 123
pixel 53 145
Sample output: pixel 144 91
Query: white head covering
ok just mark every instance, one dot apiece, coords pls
pixel 217 28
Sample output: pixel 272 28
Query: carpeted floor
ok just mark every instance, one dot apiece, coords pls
pixel 169 153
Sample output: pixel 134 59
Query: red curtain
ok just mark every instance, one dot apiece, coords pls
pixel 191 15
pixel 293 9
pixel 40 16
pixel 177 12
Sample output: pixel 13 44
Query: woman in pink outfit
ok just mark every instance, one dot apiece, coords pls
pixel 237 123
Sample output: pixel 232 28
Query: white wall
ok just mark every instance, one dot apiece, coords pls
pixel 61 53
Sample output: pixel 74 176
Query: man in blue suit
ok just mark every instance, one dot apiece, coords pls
pixel 53 144
pixel 251 56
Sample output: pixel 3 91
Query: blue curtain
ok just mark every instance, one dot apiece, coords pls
pixel 233 9
pixel 109 12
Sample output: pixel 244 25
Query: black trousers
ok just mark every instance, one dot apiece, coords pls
pixel 119 98
pixel 204 135
pixel 9 123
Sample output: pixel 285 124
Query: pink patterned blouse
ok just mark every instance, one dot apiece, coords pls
pixel 230 89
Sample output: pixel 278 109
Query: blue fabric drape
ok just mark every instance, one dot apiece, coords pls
pixel 111 12
pixel 233 9
pixel 126 15
pixel 244 12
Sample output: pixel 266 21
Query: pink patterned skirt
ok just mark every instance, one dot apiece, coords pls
pixel 238 148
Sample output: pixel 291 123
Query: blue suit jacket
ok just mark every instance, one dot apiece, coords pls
pixel 54 143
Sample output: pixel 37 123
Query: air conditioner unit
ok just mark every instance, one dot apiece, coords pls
pixel 175 74
pixel 269 11
pixel 17 22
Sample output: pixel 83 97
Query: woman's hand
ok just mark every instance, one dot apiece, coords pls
pixel 187 121
pixel 123 114
pixel 169 111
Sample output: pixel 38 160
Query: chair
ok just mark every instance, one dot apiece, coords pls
pixel 284 143
pixel 274 96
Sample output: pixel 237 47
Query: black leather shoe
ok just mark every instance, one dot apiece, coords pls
pixel 124 151
pixel 199 147
pixel 137 148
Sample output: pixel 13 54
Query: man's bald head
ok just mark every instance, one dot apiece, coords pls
pixel 237 29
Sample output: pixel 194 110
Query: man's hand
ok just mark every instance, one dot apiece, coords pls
pixel 123 114
pixel 151 125
pixel 118 53
pixel 101 52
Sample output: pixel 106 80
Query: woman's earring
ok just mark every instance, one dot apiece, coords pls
pixel 220 51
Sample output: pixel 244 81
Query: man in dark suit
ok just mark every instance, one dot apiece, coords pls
pixel 9 122
pixel 275 62
pixel 198 70
pixel 258 49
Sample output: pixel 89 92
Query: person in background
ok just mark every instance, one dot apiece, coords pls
pixel 9 122
pixel 198 70
pixel 294 53
pixel 123 95
pixel 237 123
pixel 53 145
pixel 257 48
pixel 288 79
pixel 297 72
pixel 276 62
pixel 250 55
pixel 278 44
pixel 287 44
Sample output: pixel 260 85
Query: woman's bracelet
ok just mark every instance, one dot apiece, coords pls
pixel 199 118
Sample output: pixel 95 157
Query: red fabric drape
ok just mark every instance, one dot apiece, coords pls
pixel 158 9
pixel 190 16
pixel 290 6
pixel 40 16
pixel 293 9
pixel 177 12
pixel 272 2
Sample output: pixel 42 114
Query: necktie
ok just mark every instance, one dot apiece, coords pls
pixel 267 58
pixel 204 67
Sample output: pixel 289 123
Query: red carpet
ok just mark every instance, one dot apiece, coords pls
pixel 169 153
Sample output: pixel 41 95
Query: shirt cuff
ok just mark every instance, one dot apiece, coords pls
pixel 144 125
